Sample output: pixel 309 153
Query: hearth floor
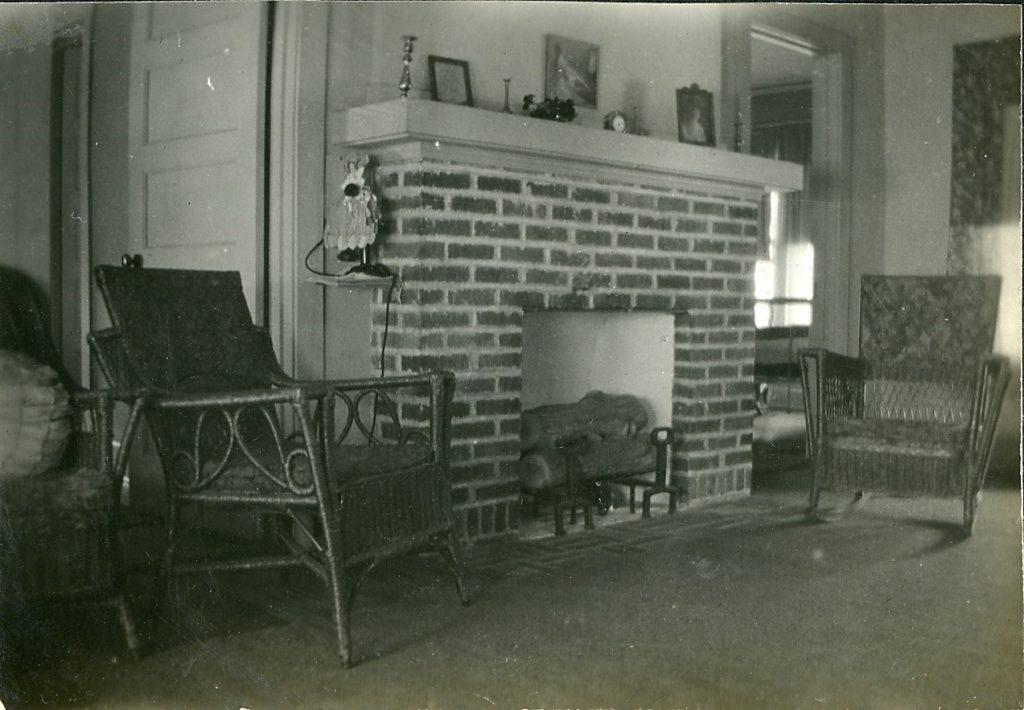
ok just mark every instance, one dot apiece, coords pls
pixel 542 525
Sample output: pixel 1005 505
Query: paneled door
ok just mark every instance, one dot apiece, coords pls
pixel 196 108
pixel 196 146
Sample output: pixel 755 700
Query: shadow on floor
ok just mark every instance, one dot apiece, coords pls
pixel 748 603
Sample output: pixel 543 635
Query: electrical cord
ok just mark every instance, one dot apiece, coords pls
pixel 387 324
pixel 387 320
pixel 383 346
pixel 310 268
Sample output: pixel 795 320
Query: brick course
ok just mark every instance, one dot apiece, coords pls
pixel 485 244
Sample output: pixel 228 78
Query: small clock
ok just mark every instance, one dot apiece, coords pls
pixel 615 121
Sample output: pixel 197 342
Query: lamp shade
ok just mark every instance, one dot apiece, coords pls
pixel 353 215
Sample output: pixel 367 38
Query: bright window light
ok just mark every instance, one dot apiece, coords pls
pixel 764 279
pixel 800 274
pixel 774 224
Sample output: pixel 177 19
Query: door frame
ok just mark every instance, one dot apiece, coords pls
pixel 296 134
pixel 831 170
pixel 78 34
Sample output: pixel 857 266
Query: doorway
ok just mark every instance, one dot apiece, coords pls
pixel 761 48
pixel 781 128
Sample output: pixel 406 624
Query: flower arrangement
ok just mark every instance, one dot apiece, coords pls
pixel 551 108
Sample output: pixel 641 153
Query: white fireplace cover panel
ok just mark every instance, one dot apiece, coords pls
pixel 567 354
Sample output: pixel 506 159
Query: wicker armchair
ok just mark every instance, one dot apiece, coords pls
pixel 347 473
pixel 916 413
pixel 58 522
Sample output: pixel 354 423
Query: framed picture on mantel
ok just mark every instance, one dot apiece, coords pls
pixel 570 70
pixel 449 80
pixel 695 112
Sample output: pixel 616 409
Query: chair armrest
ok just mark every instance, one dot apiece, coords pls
pixel 833 387
pixel 375 407
pixel 227 398
pixel 992 381
pixel 387 399
pixel 206 434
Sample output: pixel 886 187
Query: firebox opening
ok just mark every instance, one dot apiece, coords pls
pixel 569 354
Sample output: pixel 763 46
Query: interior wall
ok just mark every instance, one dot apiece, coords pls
pixel 26 34
pixel 646 52
pixel 984 214
pixel 25 166
pixel 918 90
pixel 567 354
pixel 112 23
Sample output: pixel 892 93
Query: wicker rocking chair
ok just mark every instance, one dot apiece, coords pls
pixel 916 413
pixel 343 481
pixel 58 503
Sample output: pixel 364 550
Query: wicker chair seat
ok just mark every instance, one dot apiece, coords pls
pixel 355 461
pixel 897 437
pixel 351 462
pixel 891 471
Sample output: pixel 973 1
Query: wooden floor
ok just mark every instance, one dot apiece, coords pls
pixel 738 605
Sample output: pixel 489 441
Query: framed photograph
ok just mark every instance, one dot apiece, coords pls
pixel 570 70
pixel 449 80
pixel 695 112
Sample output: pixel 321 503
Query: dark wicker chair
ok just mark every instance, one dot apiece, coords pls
pixel 916 413
pixel 346 473
pixel 58 527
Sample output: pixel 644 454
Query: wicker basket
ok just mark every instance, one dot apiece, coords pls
pixel 35 416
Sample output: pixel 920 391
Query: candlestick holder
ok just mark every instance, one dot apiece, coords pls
pixel 405 83
pixel 738 132
pixel 507 108
pixel 637 129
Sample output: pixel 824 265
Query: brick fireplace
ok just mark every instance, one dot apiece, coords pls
pixel 480 236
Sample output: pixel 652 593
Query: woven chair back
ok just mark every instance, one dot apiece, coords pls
pixel 927 323
pixel 184 330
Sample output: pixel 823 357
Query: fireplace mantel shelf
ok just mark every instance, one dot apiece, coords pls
pixel 429 130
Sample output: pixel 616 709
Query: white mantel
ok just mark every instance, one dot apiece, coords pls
pixel 416 129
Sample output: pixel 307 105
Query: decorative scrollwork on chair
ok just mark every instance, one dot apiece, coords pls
pixel 916 413
pixel 216 401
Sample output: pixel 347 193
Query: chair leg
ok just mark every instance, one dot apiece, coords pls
pixel 632 498
pixel 559 523
pixel 812 505
pixel 588 515
pixel 276 536
pixel 131 638
pixel 451 558
pixel 342 608
pixel 163 577
pixel 970 512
